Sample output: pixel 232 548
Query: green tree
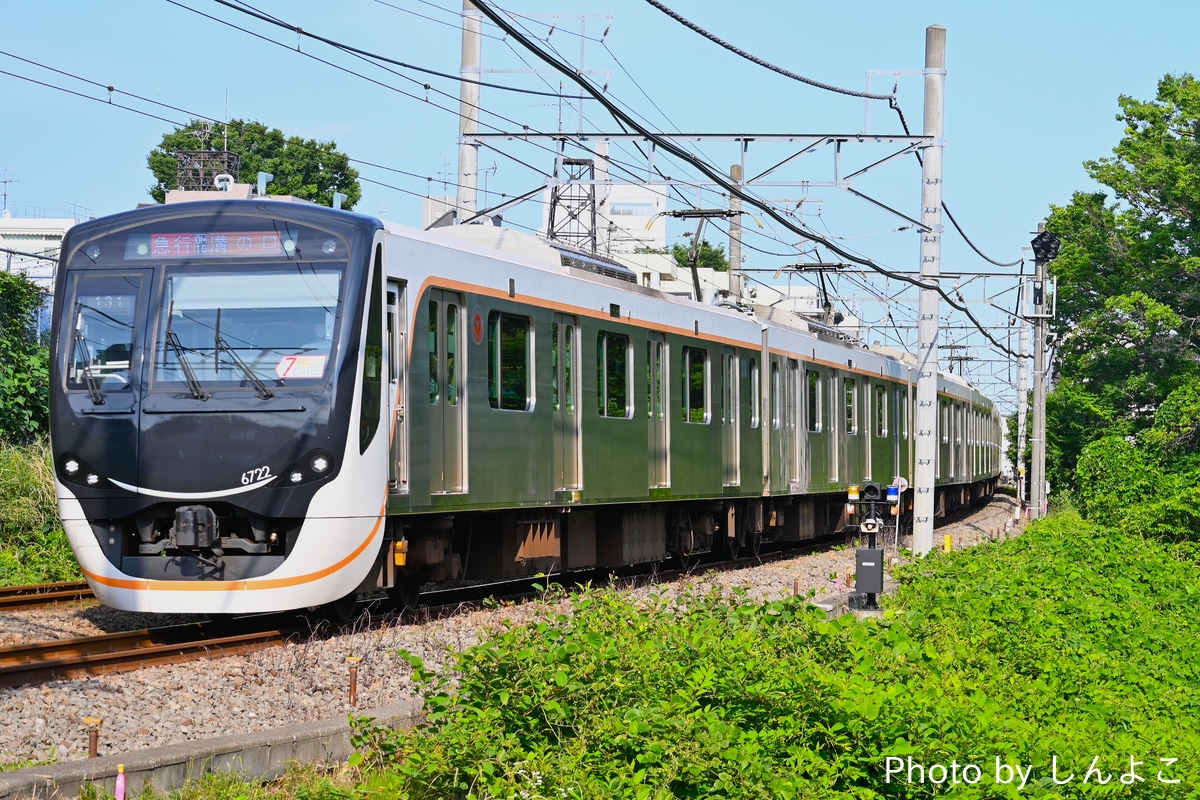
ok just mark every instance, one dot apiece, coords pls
pixel 304 168
pixel 1128 295
pixel 709 257
pixel 24 362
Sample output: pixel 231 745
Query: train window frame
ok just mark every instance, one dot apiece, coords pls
pixel 696 401
pixel 614 368
pixel 850 393
pixel 510 367
pixel 944 420
pixel 816 406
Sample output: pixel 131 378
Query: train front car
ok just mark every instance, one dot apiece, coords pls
pixel 213 416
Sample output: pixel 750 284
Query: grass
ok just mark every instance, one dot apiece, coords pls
pixel 33 547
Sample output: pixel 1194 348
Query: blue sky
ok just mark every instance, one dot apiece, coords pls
pixel 1031 93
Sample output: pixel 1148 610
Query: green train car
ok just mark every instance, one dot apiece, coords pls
pixel 261 405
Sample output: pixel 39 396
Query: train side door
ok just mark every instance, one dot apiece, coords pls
pixel 397 332
pixel 447 406
pixel 731 403
pixel 564 401
pixel 657 356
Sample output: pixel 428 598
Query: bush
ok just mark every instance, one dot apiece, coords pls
pixel 1070 644
pixel 24 362
pixel 33 547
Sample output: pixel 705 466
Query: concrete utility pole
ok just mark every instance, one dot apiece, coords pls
pixel 931 267
pixel 735 237
pixel 1022 411
pixel 1045 248
pixel 468 111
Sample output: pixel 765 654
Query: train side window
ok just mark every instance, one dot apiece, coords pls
pixel 562 397
pixel 755 394
pixel 851 393
pixel 776 411
pixel 813 379
pixel 696 386
pixel 881 411
pixel 613 365
pixel 508 362
pixel 451 354
pixel 944 422
pixel 434 381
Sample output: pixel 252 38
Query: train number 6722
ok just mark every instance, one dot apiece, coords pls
pixel 255 475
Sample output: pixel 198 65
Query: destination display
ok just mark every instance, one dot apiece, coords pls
pixel 209 244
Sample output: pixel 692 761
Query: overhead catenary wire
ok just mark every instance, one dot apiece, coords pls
pixel 891 98
pixel 716 177
pixel 765 64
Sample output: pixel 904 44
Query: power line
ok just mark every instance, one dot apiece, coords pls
pixel 755 59
pixel 718 178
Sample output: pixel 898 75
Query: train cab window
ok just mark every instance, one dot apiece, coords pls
pixel 850 387
pixel 881 411
pixel 102 328
pixel 815 409
pixel 613 366
pixel 695 386
pixel 508 362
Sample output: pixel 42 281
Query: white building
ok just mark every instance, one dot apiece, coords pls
pixel 30 246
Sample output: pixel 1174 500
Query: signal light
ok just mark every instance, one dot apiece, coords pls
pixel 872 492
pixel 852 493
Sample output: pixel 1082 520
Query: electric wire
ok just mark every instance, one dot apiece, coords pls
pixel 766 64
pixel 719 179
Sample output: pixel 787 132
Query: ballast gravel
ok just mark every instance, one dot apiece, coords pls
pixel 309 679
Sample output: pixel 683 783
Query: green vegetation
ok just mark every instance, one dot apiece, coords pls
pixel 1068 645
pixel 24 362
pixel 33 547
pixel 1129 366
pixel 303 168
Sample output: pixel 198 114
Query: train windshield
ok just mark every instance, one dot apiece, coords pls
pixel 101 333
pixel 246 327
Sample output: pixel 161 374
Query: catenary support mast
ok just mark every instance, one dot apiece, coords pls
pixel 931 257
pixel 468 111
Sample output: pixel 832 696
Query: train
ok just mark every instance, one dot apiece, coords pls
pixel 264 404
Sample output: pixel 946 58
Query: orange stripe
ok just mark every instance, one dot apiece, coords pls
pixel 145 584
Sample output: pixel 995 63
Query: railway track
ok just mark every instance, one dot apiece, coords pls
pixel 69 659
pixel 19 598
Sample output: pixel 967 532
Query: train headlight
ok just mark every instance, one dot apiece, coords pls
pixel 92 479
pixel 71 467
pixel 315 465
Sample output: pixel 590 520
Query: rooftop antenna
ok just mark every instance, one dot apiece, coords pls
pixel 6 181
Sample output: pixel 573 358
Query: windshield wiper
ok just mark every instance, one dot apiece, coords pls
pixel 260 388
pixel 93 388
pixel 193 385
